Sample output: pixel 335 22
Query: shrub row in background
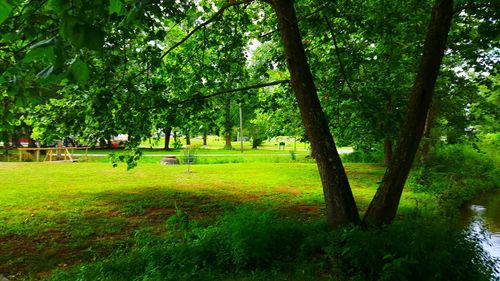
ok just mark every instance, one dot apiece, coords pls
pixel 360 156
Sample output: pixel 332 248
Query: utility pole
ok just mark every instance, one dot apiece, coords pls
pixel 241 129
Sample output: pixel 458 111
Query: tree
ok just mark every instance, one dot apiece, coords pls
pixel 384 205
pixel 340 205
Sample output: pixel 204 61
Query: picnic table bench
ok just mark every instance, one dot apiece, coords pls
pixel 52 152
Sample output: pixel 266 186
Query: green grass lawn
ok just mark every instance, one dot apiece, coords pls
pixel 54 215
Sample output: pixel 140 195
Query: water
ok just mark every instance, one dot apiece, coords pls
pixel 484 214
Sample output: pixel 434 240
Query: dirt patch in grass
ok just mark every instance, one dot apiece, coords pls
pixel 35 254
pixel 294 191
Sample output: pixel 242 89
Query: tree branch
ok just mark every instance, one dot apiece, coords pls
pixel 321 8
pixel 198 97
pixel 342 69
pixel 205 23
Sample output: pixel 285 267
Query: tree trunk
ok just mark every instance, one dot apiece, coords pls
pixel 204 136
pixel 167 132
pixel 110 143
pixel 387 151
pixel 15 140
pixel 426 142
pixel 228 141
pixel 228 124
pixel 188 137
pixel 340 205
pixel 384 205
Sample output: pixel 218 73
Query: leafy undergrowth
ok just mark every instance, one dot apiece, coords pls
pixel 455 174
pixel 253 245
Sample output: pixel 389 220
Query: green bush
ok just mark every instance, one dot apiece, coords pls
pixel 239 242
pixel 360 156
pixel 455 174
pixel 415 249
pixel 251 243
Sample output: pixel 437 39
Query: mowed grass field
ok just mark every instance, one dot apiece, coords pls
pixel 55 215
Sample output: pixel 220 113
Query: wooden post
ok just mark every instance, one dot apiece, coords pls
pixel 20 155
pixel 37 155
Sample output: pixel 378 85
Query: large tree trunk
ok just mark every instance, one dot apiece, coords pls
pixel 167 132
pixel 384 205
pixel 340 204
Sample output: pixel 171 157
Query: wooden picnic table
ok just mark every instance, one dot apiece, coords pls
pixel 50 152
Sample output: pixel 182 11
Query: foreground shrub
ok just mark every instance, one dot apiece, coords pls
pixel 417 249
pixel 252 245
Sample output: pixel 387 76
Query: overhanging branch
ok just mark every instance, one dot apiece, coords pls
pixel 207 22
pixel 198 97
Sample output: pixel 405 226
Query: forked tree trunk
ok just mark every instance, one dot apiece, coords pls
pixel 384 205
pixel 340 204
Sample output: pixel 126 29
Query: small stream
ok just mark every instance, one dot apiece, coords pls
pixel 483 215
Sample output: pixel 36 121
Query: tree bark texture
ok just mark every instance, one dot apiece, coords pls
pixel 340 205
pixel 384 205
pixel 167 132
pixel 204 136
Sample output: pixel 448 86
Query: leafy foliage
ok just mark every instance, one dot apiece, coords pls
pixel 455 174
pixel 247 242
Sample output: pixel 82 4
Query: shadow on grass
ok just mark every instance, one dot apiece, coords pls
pixel 88 227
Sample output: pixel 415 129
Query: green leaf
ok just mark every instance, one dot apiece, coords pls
pixel 44 43
pixel 39 54
pixel 59 6
pixel 45 72
pixel 5 9
pixel 81 34
pixel 10 36
pixel 80 71
pixel 116 6
pixel 94 38
pixel 72 29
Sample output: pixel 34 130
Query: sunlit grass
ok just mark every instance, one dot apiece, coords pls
pixel 54 214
